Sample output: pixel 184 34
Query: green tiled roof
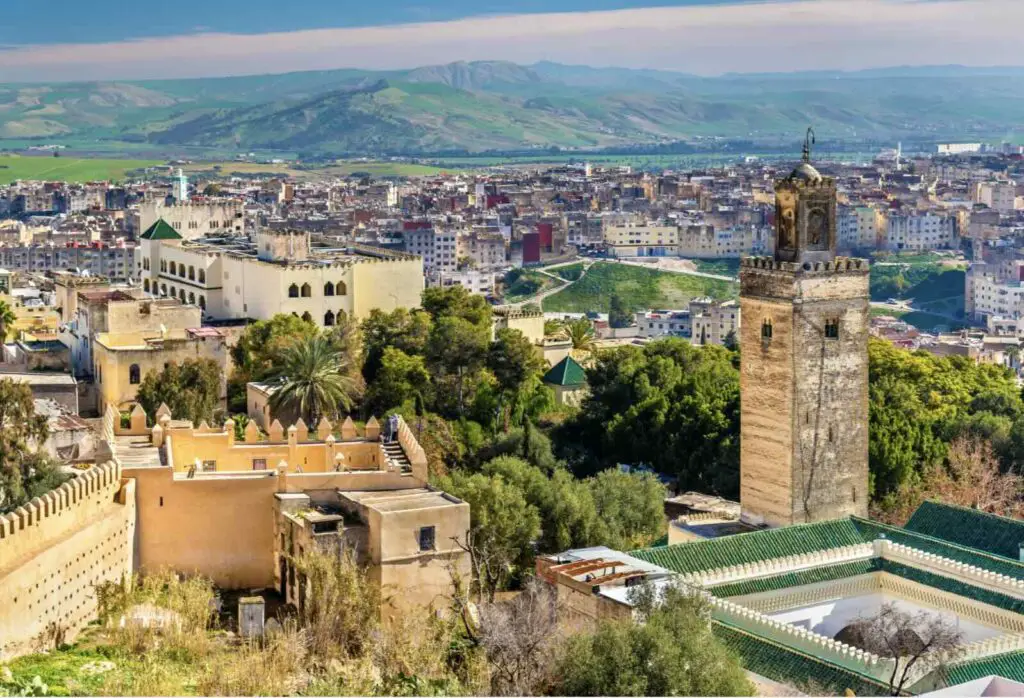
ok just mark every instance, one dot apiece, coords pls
pixel 870 530
pixel 954 586
pixel 566 373
pixel 998 535
pixel 754 546
pixel 660 543
pixel 161 230
pixel 795 579
pixel 780 663
pixel 1009 666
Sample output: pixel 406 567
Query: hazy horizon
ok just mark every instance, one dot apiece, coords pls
pixel 700 37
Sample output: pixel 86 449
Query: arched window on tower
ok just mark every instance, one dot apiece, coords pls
pixel 134 374
pixel 832 328
pixel 174 268
pixel 766 328
pixel 145 285
pixel 328 289
pixel 340 288
pixel 191 273
pixel 307 291
pixel 202 302
pixel 191 298
pixel 293 291
pixel 328 319
pixel 181 295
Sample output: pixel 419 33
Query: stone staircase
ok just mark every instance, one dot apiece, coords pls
pixel 396 456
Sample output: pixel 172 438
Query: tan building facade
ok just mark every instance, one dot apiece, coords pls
pixel 279 273
pixel 803 381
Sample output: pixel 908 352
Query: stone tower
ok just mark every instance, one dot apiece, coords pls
pixel 804 376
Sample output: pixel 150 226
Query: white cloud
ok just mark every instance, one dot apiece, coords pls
pixel 769 36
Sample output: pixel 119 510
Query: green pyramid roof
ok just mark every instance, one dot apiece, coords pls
pixel 161 230
pixel 566 373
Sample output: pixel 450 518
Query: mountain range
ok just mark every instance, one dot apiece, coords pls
pixel 501 106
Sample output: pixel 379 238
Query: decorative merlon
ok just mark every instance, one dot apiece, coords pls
pixel 781 565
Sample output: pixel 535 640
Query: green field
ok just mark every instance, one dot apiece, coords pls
pixel 522 284
pixel 638 287
pixel 49 168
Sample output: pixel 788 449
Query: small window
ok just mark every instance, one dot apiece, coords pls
pixel 427 538
pixel 174 268
pixel 191 273
pixel 328 319
pixel 328 289
pixel 134 374
pixel 209 466
pixel 766 329
pixel 307 291
pixel 832 329
pixel 259 463
pixel 293 291
pixel 202 276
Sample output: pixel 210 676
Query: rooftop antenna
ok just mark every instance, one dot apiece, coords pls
pixel 808 142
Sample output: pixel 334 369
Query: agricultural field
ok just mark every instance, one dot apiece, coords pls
pixel 68 169
pixel 638 287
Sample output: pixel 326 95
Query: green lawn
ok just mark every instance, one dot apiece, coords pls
pixel 522 284
pixel 638 287
pixel 48 168
pixel 569 272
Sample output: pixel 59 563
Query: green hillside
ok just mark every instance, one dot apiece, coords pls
pixel 638 287
pixel 496 106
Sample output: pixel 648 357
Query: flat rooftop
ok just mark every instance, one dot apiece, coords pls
pixel 408 499
pixel 41 378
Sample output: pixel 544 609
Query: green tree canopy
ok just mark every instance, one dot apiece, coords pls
pixel 619 314
pixel 670 405
pixel 456 351
pixel 399 379
pixel 257 349
pixel 502 526
pixel 314 379
pixel 457 302
pixel 671 653
pixel 400 329
pixel 7 320
pixel 919 403
pixel 190 389
pixel 24 472
pixel 631 505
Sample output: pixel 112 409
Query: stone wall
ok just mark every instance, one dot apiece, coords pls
pixel 55 550
pixel 804 438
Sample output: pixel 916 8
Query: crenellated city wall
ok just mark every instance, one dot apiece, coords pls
pixel 55 550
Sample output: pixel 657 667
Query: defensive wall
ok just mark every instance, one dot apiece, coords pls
pixel 55 550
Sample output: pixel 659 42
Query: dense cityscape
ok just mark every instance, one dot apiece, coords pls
pixel 612 351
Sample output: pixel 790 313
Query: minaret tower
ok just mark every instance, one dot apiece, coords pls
pixel 804 373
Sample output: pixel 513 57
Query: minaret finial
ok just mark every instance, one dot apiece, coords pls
pixel 808 142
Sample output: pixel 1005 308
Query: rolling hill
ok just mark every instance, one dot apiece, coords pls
pixel 499 106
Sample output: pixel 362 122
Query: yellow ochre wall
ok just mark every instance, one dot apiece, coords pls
pixel 56 549
pixel 221 527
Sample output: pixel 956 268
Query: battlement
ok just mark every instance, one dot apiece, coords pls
pixel 37 523
pixel 517 313
pixel 839 264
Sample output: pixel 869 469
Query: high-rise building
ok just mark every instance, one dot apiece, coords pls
pixel 804 414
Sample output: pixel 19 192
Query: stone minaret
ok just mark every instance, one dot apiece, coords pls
pixel 804 353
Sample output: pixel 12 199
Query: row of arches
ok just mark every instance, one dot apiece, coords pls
pixel 180 270
pixel 185 296
pixel 306 291
pixel 330 318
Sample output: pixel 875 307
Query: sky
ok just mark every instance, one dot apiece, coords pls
pixel 68 40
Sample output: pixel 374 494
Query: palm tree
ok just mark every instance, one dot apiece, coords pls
pixel 7 320
pixel 581 333
pixel 314 379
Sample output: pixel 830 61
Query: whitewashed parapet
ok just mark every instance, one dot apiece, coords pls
pixel 801 639
pixel 1000 644
pixel 897 552
pixel 781 565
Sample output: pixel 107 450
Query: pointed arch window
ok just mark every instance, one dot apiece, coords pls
pixel 766 329
pixel 134 374
pixel 307 291
pixel 293 291
pixel 328 319
pixel 328 289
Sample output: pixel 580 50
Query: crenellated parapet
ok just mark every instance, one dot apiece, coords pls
pixel 839 264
